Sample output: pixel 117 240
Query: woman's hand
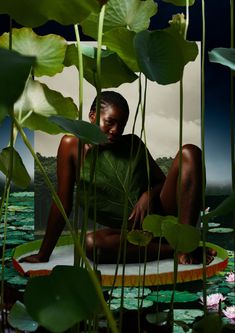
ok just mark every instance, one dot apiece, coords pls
pixel 141 208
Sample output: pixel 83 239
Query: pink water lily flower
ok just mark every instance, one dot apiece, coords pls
pixel 230 277
pixel 229 312
pixel 213 300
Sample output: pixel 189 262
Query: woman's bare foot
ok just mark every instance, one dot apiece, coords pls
pixel 196 256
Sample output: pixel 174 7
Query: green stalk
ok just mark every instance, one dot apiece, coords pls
pixel 203 150
pixel 98 63
pixel 80 144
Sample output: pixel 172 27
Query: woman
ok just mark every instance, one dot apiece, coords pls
pixel 123 160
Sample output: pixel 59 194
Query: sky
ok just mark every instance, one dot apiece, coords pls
pixel 161 139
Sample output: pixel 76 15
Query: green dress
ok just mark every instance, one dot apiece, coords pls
pixel 120 176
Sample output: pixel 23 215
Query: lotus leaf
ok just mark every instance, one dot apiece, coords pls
pixel 223 56
pixel 139 237
pixel 34 14
pixel 49 50
pixel 132 14
pixel 130 303
pixel 162 54
pixel 14 71
pixel 19 175
pixel 130 292
pixel 164 296
pixel 220 230
pixel 38 102
pixel 58 305
pixel 114 70
pixel 87 132
pixel 20 319
pixel 120 40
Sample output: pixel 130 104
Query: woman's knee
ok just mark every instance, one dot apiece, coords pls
pixel 191 152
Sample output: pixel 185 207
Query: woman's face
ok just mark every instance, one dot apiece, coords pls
pixel 112 121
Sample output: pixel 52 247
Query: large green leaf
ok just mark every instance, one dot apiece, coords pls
pixel 38 102
pixel 154 223
pixel 49 50
pixel 89 133
pixel 180 2
pixel 182 237
pixel 62 299
pixel 120 40
pixel 35 13
pixel 162 54
pixel 20 319
pixel 223 56
pixel 20 175
pixel 132 14
pixel 14 70
pixel 139 237
pixel 226 207
pixel 116 176
pixel 114 70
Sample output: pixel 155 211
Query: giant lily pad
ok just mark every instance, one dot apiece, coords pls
pixel 57 305
pixel 132 14
pixel 36 13
pixel 49 50
pixel 38 102
pixel 114 70
pixel 14 70
pixel 223 56
pixel 19 175
pixel 221 230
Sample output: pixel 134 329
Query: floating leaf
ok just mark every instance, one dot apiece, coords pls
pixel 158 318
pixel 49 50
pixel 57 305
pixel 18 280
pixel 130 303
pixel 114 70
pixel 14 71
pixel 182 237
pixel 223 56
pixel 20 319
pixel 20 175
pixel 162 54
pixel 89 133
pixel 164 296
pixel 33 14
pixel 139 237
pixel 221 230
pixel 132 14
pixel 38 102
pixel 130 292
